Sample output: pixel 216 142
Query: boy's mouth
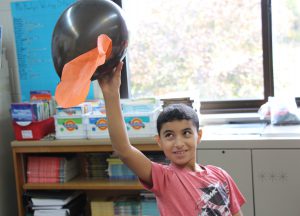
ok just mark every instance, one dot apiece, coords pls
pixel 179 152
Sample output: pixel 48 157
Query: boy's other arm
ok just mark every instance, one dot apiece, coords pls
pixel 132 157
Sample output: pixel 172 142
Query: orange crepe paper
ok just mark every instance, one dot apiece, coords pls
pixel 76 76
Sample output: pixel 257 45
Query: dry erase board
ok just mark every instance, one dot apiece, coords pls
pixel 34 22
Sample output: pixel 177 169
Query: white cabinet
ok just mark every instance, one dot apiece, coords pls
pixel 276 175
pixel 238 164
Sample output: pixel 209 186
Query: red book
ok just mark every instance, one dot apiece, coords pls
pixel 40 168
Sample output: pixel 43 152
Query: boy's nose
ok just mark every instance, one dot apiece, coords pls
pixel 178 143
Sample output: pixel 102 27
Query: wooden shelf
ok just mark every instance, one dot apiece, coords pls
pixel 21 149
pixel 82 183
pixel 80 142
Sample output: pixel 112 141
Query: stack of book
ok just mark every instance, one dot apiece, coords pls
pixel 118 170
pixel 51 169
pixel 95 165
pixel 57 203
pixel 118 206
pixel 158 157
pixel 100 207
pixel 124 206
pixel 148 204
pixel 145 205
pixel 184 100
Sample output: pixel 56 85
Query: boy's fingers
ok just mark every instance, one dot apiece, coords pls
pixel 120 66
pixel 117 70
pixel 109 76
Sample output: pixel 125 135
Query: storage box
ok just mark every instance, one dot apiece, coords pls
pixel 72 127
pixel 33 130
pixel 141 124
pixel 97 127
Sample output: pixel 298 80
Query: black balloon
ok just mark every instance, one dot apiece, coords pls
pixel 78 28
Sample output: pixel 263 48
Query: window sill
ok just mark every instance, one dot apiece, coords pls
pixel 207 119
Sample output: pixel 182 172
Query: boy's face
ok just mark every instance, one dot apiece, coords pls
pixel 179 139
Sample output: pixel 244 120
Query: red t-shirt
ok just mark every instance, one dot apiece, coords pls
pixel 182 192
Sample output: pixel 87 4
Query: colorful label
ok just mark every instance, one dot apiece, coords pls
pixel 137 123
pixel 69 111
pixel 100 123
pixel 70 124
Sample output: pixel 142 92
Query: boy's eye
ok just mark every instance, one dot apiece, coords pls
pixel 187 133
pixel 169 135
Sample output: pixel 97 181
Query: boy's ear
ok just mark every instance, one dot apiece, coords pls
pixel 199 135
pixel 157 139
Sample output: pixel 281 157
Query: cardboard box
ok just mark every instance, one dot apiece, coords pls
pixel 33 130
pixel 70 127
pixel 97 127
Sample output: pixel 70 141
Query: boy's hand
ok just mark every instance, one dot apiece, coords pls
pixel 111 82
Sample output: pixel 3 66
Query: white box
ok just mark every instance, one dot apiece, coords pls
pixel 141 124
pixel 70 127
pixel 97 126
pixel 137 125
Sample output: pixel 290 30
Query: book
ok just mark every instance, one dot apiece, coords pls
pixel 75 207
pixel 44 169
pixel 53 198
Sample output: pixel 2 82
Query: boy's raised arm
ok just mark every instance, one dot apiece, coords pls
pixel 132 157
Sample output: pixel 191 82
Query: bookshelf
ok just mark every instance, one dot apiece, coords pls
pixel 21 149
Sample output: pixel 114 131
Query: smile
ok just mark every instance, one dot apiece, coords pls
pixel 180 152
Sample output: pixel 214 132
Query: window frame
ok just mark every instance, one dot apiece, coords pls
pixel 233 106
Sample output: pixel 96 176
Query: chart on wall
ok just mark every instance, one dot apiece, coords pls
pixel 34 22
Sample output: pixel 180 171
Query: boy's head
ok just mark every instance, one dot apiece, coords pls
pixel 175 112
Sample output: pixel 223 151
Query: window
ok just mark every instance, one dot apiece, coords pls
pixel 286 46
pixel 217 51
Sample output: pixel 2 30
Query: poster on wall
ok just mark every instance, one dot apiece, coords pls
pixel 34 22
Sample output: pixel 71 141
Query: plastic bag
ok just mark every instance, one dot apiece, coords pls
pixel 280 111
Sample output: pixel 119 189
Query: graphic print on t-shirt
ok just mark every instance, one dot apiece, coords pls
pixel 214 201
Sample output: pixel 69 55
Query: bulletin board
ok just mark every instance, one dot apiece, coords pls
pixel 34 22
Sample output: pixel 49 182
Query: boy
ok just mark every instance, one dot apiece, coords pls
pixel 182 188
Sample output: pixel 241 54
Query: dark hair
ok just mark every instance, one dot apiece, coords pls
pixel 175 112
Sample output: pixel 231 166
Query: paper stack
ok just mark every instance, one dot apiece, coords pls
pixel 58 203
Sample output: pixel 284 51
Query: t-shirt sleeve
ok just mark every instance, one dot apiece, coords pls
pixel 236 197
pixel 158 172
